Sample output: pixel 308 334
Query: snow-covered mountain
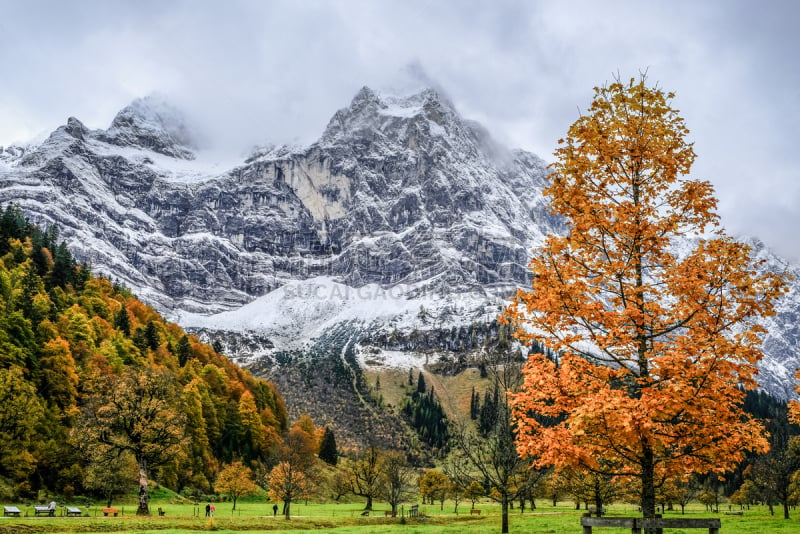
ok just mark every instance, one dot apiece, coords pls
pixel 403 217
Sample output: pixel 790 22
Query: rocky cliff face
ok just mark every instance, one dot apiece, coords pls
pixel 397 191
pixel 404 217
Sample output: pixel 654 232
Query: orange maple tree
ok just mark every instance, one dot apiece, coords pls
pixel 649 307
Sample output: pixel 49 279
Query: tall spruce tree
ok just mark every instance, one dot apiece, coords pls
pixel 122 322
pixel 328 452
pixel 184 350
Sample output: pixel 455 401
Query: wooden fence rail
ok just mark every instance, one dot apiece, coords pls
pixel 637 524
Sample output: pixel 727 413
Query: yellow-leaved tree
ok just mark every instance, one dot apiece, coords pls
pixel 235 480
pixel 649 308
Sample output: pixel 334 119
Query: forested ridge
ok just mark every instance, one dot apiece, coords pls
pixel 84 363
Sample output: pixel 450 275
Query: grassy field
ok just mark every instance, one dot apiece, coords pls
pixel 255 517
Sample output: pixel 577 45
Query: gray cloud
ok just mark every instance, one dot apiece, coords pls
pixel 254 72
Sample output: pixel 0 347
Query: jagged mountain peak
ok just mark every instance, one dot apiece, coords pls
pixel 76 128
pixel 152 123
pixel 422 121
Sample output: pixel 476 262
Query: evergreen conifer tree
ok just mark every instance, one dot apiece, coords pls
pixel 184 350
pixel 420 384
pixel 328 452
pixel 151 336
pixel 122 322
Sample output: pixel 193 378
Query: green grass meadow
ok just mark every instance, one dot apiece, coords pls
pixel 256 516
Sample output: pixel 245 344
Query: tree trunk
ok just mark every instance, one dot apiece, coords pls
pixel 648 486
pixel 286 506
pixel 144 497
pixel 598 504
pixel 234 503
pixel 785 509
pixel 369 503
pixel 504 505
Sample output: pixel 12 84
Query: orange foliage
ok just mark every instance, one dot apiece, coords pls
pixel 306 424
pixel 649 306
pixel 288 483
pixel 794 406
pixel 140 313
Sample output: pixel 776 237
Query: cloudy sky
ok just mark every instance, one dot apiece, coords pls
pixel 275 71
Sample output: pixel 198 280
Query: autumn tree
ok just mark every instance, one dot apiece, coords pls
pixel 299 447
pixel 20 413
pixel 112 476
pixel 475 491
pixel 677 491
pixel 59 378
pixel 747 494
pixel 649 308
pixel 288 483
pixel 794 405
pixel 137 413
pixel 397 478
pixel 339 482
pixel 294 477
pixel 365 475
pixel 235 480
pixel 257 438
pixel 434 485
pixel 591 487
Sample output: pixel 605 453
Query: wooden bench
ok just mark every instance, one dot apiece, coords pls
pixel 161 512
pixel 10 511
pixel 637 524
pixel 73 511
pixel 389 513
pixel 413 511
pixel 737 512
pixel 107 511
pixel 475 511
pixel 44 510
